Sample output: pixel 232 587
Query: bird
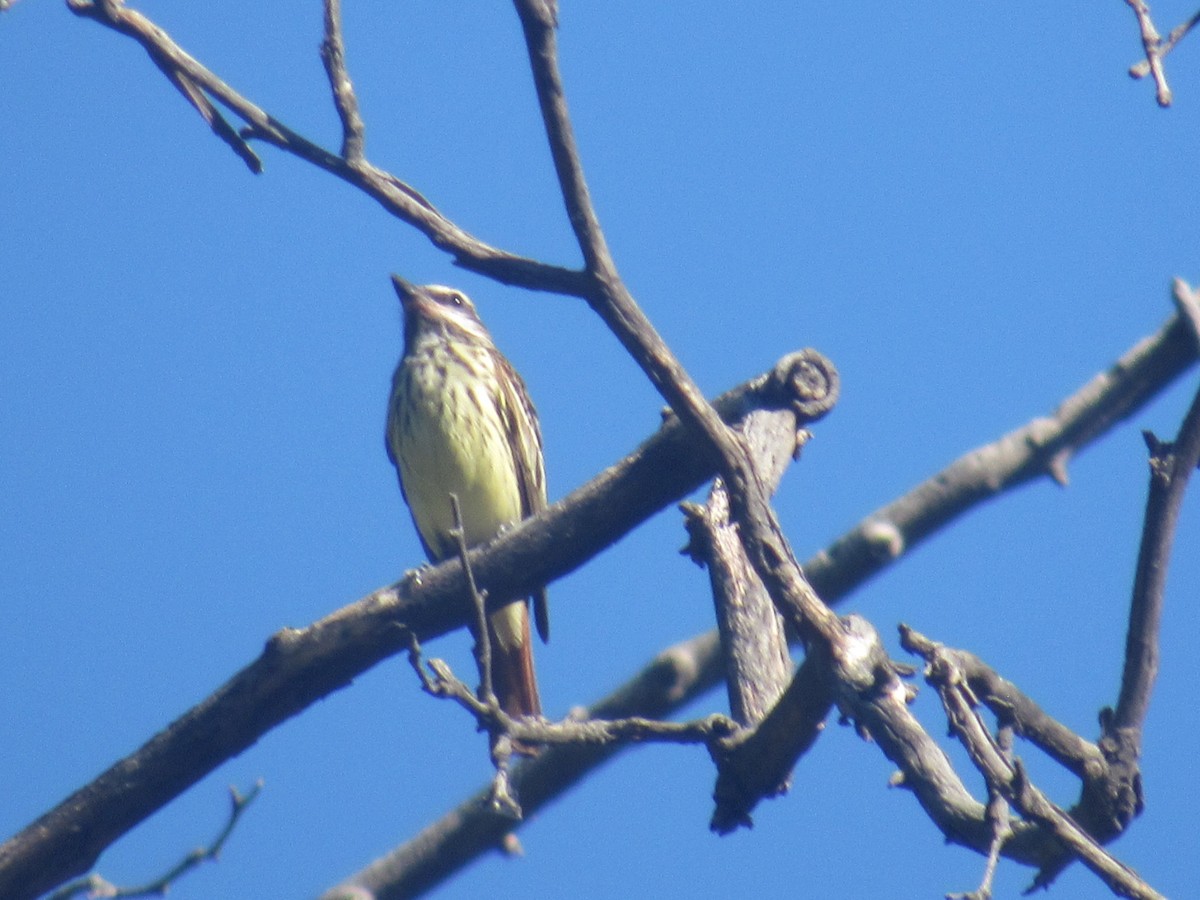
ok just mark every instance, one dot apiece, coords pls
pixel 460 421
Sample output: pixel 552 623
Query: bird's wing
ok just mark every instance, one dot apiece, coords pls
pixel 525 438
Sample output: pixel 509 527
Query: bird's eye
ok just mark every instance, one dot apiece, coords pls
pixel 456 299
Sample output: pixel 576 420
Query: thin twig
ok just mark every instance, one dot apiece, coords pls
pixel 1011 781
pixel 333 56
pixel 574 730
pixel 415 659
pixel 1152 45
pixel 398 198
pixel 96 886
pixel 1178 33
pixel 483 642
pixel 998 819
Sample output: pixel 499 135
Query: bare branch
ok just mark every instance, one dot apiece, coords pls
pixel 576 729
pixel 300 666
pixel 757 762
pixel 1178 33
pixel 1041 448
pixel 1171 467
pixel 1167 484
pixel 682 673
pixel 766 546
pixel 398 198
pixel 479 625
pixel 153 39
pixel 96 886
pixel 333 56
pixel 757 662
pixel 1152 45
pixel 1007 777
pixel 605 292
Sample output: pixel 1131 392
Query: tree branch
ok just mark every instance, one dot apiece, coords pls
pixel 95 886
pixel 757 663
pixel 756 762
pixel 766 546
pixel 1010 779
pixel 1152 46
pixel 1160 47
pixel 399 199
pixel 333 56
pixel 300 666
pixel 680 674
pixel 1042 447
pixel 1171 467
pixel 575 729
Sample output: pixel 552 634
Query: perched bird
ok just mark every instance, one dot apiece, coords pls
pixel 460 422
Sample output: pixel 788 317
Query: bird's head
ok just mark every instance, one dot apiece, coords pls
pixel 437 307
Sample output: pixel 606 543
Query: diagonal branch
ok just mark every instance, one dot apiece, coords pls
pixel 399 199
pixel 766 546
pixel 680 674
pixel 1043 447
pixel 300 666
pixel 604 290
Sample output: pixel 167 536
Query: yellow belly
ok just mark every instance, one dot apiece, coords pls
pixel 454 442
pixel 467 456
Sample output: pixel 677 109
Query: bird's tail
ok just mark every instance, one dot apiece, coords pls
pixel 513 677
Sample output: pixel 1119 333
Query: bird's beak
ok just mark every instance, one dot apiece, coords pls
pixel 404 290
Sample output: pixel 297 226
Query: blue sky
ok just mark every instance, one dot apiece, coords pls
pixel 968 207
